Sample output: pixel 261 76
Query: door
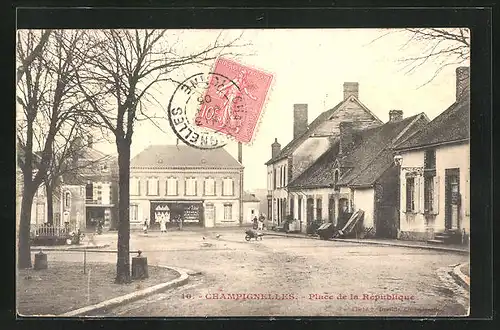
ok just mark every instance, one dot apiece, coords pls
pixel 209 215
pixel 331 210
pixel 310 210
pixel 452 198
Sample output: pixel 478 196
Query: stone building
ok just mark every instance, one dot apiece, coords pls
pixel 435 174
pixel 356 173
pixel 203 187
pixel 309 142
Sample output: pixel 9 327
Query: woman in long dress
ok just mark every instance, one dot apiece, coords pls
pixel 163 224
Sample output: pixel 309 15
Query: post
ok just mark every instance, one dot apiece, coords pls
pixel 84 259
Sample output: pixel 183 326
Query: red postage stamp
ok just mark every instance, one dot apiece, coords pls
pixel 234 99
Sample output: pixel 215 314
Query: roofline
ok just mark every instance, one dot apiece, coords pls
pixel 185 167
pixel 366 109
pixel 423 146
pixel 310 186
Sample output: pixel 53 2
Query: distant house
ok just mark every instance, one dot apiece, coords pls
pixel 310 141
pixel 435 173
pixel 200 186
pixel 251 206
pixel 356 173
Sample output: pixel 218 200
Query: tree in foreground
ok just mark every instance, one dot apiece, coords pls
pixel 47 102
pixel 118 78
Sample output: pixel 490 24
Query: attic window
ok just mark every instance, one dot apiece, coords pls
pixel 203 161
pixel 351 99
pixel 160 161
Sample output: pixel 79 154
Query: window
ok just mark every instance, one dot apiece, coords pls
pixel 284 176
pixel 336 180
pixel 429 194
pixel 228 212
pixel 410 194
pixel 134 212
pixel 227 187
pixel 209 187
pixel 152 186
pixel 172 188
pixel 274 178
pixel 190 186
pixel 430 159
pixel 135 186
pixel 89 191
pixel 67 199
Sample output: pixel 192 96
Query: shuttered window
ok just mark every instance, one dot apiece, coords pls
pixel 190 186
pixel 172 189
pixel 227 187
pixel 209 186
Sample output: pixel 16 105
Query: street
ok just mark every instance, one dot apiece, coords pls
pixel 281 276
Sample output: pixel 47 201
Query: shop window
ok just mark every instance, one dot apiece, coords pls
pixel 410 194
pixel 190 186
pixel 172 187
pixel 228 212
pixel 134 212
pixel 227 187
pixel 209 187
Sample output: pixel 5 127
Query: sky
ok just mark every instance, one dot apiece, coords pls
pixel 310 66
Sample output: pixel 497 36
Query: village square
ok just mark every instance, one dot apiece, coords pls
pixel 336 208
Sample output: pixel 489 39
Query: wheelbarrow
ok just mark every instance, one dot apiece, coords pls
pixel 249 234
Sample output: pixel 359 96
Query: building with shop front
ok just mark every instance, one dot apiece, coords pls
pixel 310 142
pixel 434 172
pixel 199 187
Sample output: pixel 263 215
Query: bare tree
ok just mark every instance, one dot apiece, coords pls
pixel 47 101
pixel 118 79
pixel 439 47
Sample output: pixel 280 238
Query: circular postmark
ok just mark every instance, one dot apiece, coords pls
pixel 187 100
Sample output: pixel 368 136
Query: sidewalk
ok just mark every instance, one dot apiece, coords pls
pixel 388 242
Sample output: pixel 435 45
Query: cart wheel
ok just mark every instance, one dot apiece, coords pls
pixel 247 238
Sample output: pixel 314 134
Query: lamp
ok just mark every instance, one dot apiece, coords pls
pixel 398 160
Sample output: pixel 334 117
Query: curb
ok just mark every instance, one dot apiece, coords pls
pixel 460 277
pixel 108 304
pixel 424 247
pixel 76 248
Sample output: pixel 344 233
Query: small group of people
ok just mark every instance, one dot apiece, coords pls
pixel 258 223
pixel 162 218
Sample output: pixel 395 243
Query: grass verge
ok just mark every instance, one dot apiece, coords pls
pixel 64 287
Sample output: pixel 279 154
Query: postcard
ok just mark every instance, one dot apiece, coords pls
pixel 256 172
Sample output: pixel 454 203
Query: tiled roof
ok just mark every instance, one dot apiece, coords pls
pixel 248 197
pixel 373 155
pixel 164 156
pixel 290 147
pixel 368 160
pixel 320 173
pixel 450 126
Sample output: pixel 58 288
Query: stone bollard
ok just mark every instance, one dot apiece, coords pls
pixel 139 267
pixel 40 261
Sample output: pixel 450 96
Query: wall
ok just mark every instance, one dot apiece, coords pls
pixel 247 211
pixel 307 153
pixel 364 199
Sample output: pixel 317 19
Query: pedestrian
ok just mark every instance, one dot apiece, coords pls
pixel 145 226
pixel 180 222
pixel 163 225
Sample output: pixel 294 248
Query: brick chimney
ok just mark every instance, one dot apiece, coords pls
pixel 395 115
pixel 299 119
pixel 351 88
pixel 240 152
pixel 462 83
pixel 275 148
pixel 346 136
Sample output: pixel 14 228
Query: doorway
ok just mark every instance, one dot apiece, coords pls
pixel 452 198
pixel 310 210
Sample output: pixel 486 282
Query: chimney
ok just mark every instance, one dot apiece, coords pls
pixel 351 88
pixel 275 148
pixel 395 115
pixel 299 119
pixel 240 152
pixel 90 141
pixel 462 83
pixel 346 136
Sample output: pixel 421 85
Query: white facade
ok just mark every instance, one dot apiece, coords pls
pixel 364 199
pixel 428 217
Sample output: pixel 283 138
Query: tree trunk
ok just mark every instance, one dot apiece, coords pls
pixel 24 252
pixel 49 190
pixel 123 259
